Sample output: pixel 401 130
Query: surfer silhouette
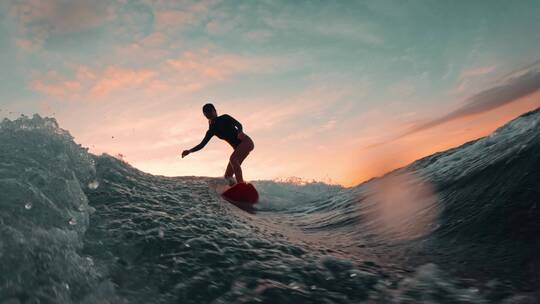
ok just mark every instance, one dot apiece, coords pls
pixel 229 129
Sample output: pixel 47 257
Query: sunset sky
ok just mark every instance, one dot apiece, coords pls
pixel 340 91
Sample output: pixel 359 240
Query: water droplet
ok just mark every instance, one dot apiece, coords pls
pixel 66 285
pixel 93 185
pixel 91 209
pixel 161 233
pixel 353 275
pixel 293 285
pixel 187 245
pixel 28 206
pixel 72 221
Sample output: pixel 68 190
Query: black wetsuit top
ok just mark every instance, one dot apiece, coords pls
pixel 224 127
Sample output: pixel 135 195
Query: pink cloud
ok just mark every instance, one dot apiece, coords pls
pixel 26 44
pixel 173 19
pixel 155 39
pixel 36 20
pixel 92 84
pixel 207 64
pixel 477 71
pixel 151 49
pixel 468 76
pixel 189 72
pixel 58 90
pixel 169 18
pixel 285 114
pixel 115 77
pixel 331 124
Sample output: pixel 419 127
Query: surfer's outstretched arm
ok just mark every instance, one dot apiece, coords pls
pixel 203 143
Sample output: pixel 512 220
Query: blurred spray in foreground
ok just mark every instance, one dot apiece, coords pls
pixel 401 206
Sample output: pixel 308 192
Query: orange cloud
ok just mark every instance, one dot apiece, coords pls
pixel 214 66
pixel 156 39
pixel 468 76
pixel 115 77
pixel 58 90
pixel 271 113
pixel 90 84
pixel 190 72
pixel 477 71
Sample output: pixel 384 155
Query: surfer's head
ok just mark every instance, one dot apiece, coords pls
pixel 209 111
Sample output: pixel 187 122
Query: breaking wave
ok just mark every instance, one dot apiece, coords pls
pixel 457 226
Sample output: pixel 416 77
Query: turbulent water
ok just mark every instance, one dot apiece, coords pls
pixel 460 226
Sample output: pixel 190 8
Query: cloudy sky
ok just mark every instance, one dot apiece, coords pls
pixel 338 91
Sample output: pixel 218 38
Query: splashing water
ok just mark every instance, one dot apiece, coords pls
pixel 93 185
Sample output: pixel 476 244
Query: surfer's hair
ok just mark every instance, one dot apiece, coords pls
pixel 208 107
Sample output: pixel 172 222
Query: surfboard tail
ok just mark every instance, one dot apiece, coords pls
pixel 242 193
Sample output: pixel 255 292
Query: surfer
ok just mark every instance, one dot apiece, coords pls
pixel 229 129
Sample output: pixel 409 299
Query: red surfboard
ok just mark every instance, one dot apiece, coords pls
pixel 241 193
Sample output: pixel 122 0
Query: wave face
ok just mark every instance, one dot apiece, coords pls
pixel 44 216
pixel 459 226
pixel 473 209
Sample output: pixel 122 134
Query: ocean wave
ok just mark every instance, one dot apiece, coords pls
pixel 457 226
pixel 44 215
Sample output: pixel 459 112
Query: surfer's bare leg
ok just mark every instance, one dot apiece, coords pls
pixel 229 171
pixel 238 156
pixel 229 175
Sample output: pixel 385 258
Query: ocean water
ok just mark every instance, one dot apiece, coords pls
pixel 459 226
